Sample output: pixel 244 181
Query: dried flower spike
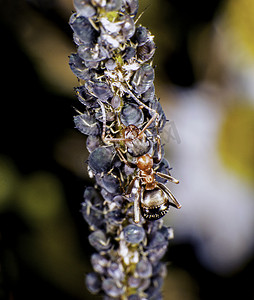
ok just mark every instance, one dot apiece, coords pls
pixel 123 120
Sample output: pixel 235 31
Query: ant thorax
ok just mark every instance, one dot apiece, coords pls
pixel 145 163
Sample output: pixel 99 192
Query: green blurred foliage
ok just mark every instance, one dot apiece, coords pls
pixel 236 140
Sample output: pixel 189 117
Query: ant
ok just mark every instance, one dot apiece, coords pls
pixel 152 199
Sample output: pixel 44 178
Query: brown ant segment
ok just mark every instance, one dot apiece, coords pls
pixel 152 199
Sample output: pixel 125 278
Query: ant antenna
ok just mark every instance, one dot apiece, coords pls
pixel 141 14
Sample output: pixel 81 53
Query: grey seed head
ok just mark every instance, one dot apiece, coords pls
pixel 134 297
pixel 112 288
pixel 115 101
pixel 109 183
pixel 113 5
pixel 160 269
pixel 92 142
pixel 99 263
pixel 115 270
pixel 99 241
pixel 101 159
pixel 155 254
pixel 84 8
pixel 134 234
pixel 100 90
pixel 131 7
pixel 128 27
pixel 129 53
pixel 133 281
pixel 93 282
pixel 153 293
pixel 144 269
pixel 131 114
pixel 85 98
pixel 79 68
pixel 145 283
pixel 86 124
pixel 155 104
pixel 110 64
pixel 146 51
pixel 143 79
pixel 141 35
pixel 83 29
pixel 92 208
pixel 95 54
pixel 149 94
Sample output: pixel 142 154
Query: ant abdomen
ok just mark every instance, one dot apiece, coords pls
pixel 154 204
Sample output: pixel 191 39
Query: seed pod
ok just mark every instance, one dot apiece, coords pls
pixel 99 263
pixel 131 7
pixel 83 29
pixel 149 94
pixel 143 79
pixel 141 35
pixel 116 271
pixel 155 104
pixel 112 287
pixel 99 241
pixel 93 282
pixel 79 68
pixel 85 98
pixel 144 269
pixel 109 183
pixel 100 90
pixel 95 54
pixel 131 114
pixel 128 53
pixel 84 8
pixel 87 124
pixel 146 51
pixel 128 27
pixel 101 159
pixel 92 208
pixel 134 234
pixel 92 142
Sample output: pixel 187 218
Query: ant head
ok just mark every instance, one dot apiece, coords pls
pixel 131 132
pixel 145 162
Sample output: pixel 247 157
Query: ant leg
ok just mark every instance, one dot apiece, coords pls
pixel 159 154
pixel 155 114
pixel 149 123
pixel 168 177
pixel 167 191
pixel 103 121
pixel 123 159
pixel 136 208
pixel 131 185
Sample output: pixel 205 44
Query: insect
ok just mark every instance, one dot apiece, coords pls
pixel 152 198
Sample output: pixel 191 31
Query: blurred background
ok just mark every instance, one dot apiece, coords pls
pixel 205 80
